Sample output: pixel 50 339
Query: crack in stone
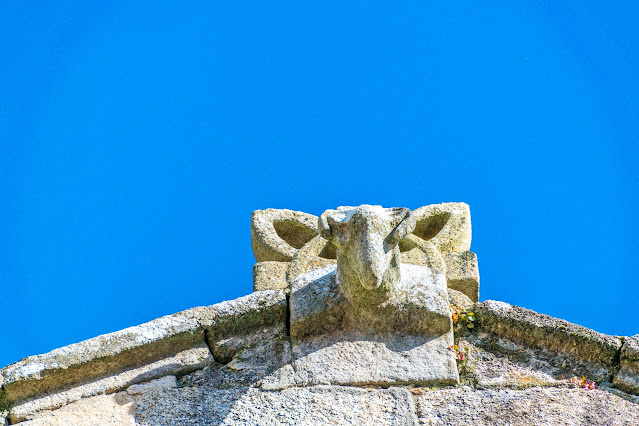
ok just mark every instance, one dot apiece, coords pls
pixel 616 361
pixel 208 343
pixel 287 320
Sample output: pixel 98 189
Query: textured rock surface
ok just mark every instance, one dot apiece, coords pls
pixel 322 405
pixel 258 378
pixel 244 314
pixel 248 360
pixel 459 299
pixel 463 273
pixel 277 234
pixel 102 356
pixel 114 353
pixel 497 363
pixel 347 359
pixel 367 242
pixel 628 377
pixel 316 254
pixel 317 305
pixel 535 406
pixel 270 276
pixel 446 224
pixel 161 383
pixel 416 251
pixel 440 240
pixel 182 363
pixel 542 331
pixel 104 410
pixel 297 406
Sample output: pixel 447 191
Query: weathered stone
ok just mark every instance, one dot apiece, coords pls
pixel 462 273
pixel 534 406
pixel 542 331
pixel 279 379
pixel 243 315
pixel 296 406
pixel 497 363
pixel 357 317
pixel 161 383
pixel 113 353
pixel 318 305
pixel 182 363
pixel 277 234
pixel 447 225
pixel 346 405
pixel 246 360
pixel 270 276
pixel 104 410
pixel 627 379
pixel 367 241
pixel 316 254
pixel 459 299
pixel 4 406
pixel 416 251
pixel 368 291
pixel 351 359
pixel 102 356
pixel 285 235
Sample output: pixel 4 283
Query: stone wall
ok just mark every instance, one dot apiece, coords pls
pixel 234 363
pixel 364 315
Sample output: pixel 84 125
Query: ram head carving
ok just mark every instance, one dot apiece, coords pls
pixel 367 242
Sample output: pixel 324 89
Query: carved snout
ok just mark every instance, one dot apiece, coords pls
pixel 372 261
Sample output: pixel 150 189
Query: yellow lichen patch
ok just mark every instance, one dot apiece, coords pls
pixel 525 380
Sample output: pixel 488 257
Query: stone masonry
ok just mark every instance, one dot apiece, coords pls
pixel 364 315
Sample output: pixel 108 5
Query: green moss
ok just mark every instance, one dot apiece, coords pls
pixel 4 402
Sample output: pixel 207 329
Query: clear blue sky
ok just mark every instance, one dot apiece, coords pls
pixel 136 140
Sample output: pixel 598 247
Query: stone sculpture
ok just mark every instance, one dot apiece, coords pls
pixel 368 290
pixel 288 243
pixel 367 242
pixel 377 278
pixel 353 322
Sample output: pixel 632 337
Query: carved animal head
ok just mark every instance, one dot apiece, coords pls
pixel 366 238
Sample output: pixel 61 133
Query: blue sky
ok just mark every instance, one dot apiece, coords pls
pixel 136 140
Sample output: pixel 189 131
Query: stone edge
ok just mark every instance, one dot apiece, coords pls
pixel 628 377
pixel 45 373
pixel 133 347
pixel 542 331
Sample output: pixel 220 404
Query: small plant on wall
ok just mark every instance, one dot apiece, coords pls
pixel 460 354
pixel 462 318
pixel 583 382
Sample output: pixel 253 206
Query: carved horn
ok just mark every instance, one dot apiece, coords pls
pixel 406 226
pixel 324 227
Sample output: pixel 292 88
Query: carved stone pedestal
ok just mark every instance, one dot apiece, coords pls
pixel 404 340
